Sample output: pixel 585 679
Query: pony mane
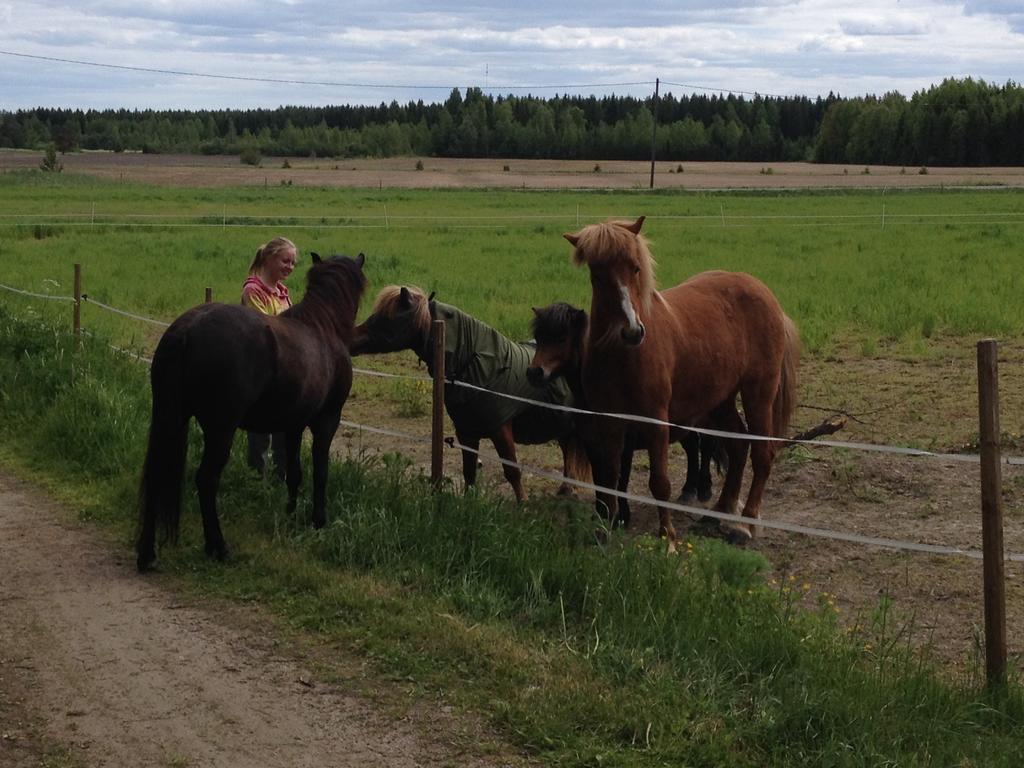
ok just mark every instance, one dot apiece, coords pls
pixel 387 305
pixel 553 321
pixel 334 284
pixel 610 241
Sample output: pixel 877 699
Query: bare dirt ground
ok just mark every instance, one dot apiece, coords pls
pixel 448 173
pixel 99 667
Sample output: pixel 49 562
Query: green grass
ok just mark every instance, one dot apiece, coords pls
pixel 938 268
pixel 578 653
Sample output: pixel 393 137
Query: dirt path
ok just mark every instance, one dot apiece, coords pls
pixel 100 667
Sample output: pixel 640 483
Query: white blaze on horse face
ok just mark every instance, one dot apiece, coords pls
pixel 634 328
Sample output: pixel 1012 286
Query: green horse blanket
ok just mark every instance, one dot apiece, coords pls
pixel 477 354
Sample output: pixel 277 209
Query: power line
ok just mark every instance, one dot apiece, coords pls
pixel 331 84
pixel 724 90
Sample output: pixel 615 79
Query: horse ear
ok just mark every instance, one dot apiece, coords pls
pixel 360 259
pixel 405 297
pixel 572 237
pixel 635 226
pixel 315 256
pixel 536 311
pixel 430 298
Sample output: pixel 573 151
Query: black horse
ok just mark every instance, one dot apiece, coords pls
pixel 560 331
pixel 476 354
pixel 231 366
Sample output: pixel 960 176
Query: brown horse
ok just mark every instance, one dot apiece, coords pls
pixel 560 333
pixel 476 354
pixel 231 366
pixel 682 356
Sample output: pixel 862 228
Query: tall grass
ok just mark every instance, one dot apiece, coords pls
pixel 581 653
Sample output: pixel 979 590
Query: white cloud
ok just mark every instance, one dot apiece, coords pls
pixel 807 47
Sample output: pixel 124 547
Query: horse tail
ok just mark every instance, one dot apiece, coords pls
pixel 785 398
pixel 164 467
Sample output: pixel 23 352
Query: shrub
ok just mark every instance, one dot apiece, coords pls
pixel 419 165
pixel 50 163
pixel 250 156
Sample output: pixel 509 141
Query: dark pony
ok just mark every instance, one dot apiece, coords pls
pixel 683 355
pixel 231 366
pixel 402 318
pixel 560 332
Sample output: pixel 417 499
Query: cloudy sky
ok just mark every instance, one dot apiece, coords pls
pixel 193 54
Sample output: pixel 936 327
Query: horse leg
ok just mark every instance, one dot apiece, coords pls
pixel 660 485
pixel 762 453
pixel 505 445
pixel 571 463
pixel 469 457
pixel 625 470
pixel 708 446
pixel 216 450
pixel 604 444
pixel 727 418
pixel 292 467
pixel 691 445
pixel 323 433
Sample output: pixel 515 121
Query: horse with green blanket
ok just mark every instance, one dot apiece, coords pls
pixel 476 354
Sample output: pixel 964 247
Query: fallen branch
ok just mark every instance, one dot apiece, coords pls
pixel 829 426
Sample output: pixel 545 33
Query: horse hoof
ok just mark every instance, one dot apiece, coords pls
pixel 737 535
pixel 217 552
pixel 687 497
pixel 704 495
pixel 144 563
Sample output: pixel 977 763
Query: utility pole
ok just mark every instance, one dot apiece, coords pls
pixel 654 126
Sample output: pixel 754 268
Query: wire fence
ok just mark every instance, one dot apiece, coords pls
pixel 387 220
pixel 888 543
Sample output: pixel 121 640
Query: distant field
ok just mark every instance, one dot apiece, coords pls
pixel 448 173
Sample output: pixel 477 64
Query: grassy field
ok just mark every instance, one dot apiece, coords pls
pixel 934 264
pixel 579 655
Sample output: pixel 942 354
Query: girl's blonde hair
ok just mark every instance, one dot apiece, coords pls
pixel 269 250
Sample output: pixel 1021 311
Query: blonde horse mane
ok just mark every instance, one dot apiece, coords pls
pixel 614 241
pixel 387 302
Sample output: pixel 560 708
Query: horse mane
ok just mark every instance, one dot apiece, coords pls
pixel 611 241
pixel 553 321
pixel 334 288
pixel 387 305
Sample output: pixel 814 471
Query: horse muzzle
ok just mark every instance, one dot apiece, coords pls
pixel 633 335
pixel 537 376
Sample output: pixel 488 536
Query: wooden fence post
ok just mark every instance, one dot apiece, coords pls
pixel 76 321
pixel 437 420
pixel 992 512
pixel 209 295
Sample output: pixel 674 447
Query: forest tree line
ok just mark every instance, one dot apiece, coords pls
pixel 959 122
